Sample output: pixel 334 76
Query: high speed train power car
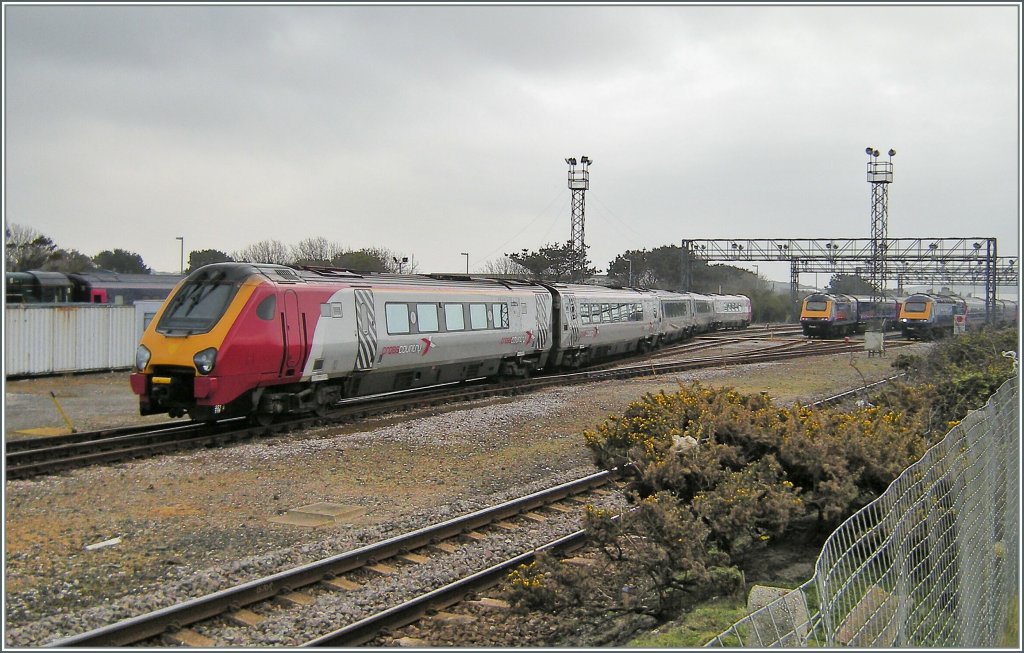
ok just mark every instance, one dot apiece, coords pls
pixel 836 314
pixel 261 340
pixel 927 316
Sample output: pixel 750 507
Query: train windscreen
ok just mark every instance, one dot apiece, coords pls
pixel 201 301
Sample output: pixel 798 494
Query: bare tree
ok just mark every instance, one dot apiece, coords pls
pixel 26 249
pixel 265 251
pixel 315 251
pixel 504 266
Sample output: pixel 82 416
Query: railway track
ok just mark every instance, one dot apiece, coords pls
pixel 320 595
pixel 323 580
pixel 27 458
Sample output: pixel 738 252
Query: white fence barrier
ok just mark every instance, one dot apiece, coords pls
pixel 933 562
pixel 56 339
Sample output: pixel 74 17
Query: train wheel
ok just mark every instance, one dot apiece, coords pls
pixel 262 419
pixel 323 400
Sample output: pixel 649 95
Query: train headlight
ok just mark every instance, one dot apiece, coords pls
pixel 205 360
pixel 142 356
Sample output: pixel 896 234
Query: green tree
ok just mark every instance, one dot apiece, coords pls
pixel 121 260
pixel 359 261
pixel 69 261
pixel 200 257
pixel 849 284
pixel 553 263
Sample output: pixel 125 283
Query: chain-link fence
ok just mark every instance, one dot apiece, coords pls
pixel 933 562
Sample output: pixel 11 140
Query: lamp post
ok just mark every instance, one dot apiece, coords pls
pixel 629 279
pixel 401 263
pixel 181 261
pixel 466 254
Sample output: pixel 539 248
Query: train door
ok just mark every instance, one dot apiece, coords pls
pixel 366 330
pixel 542 309
pixel 571 321
pixel 294 334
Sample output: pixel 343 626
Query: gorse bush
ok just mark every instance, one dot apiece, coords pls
pixel 714 476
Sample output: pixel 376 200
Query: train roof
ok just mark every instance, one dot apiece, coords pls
pixel 107 279
pixel 316 274
pixel 51 279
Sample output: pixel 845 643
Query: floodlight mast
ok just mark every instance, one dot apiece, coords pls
pixel 579 182
pixel 879 176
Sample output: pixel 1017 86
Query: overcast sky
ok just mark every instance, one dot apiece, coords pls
pixel 435 130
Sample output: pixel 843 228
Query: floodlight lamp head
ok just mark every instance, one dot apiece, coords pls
pixel 875 154
pixel 892 152
pixel 868 150
pixel 571 161
pixel 586 160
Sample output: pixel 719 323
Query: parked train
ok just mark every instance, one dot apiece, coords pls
pixel 262 340
pixel 925 316
pixel 836 314
pixel 94 287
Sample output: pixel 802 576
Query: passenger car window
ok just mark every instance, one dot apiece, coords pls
pixel 454 320
pixel 397 316
pixel 478 316
pixel 427 314
pixel 499 316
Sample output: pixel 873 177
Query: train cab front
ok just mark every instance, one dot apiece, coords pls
pixel 816 316
pixel 177 370
pixel 915 317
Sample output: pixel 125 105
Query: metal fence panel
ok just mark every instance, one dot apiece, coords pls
pixel 932 562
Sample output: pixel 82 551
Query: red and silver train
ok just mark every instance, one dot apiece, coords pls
pixel 261 340
pixel 928 316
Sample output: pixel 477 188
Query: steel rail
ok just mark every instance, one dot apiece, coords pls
pixel 46 459
pixel 142 627
pixel 406 613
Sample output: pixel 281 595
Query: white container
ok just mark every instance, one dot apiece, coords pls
pixel 55 339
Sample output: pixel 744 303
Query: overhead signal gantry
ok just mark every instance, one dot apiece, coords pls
pixel 910 260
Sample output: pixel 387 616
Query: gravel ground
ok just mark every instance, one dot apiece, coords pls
pixel 191 522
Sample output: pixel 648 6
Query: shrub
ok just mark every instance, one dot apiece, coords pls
pixel 714 475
